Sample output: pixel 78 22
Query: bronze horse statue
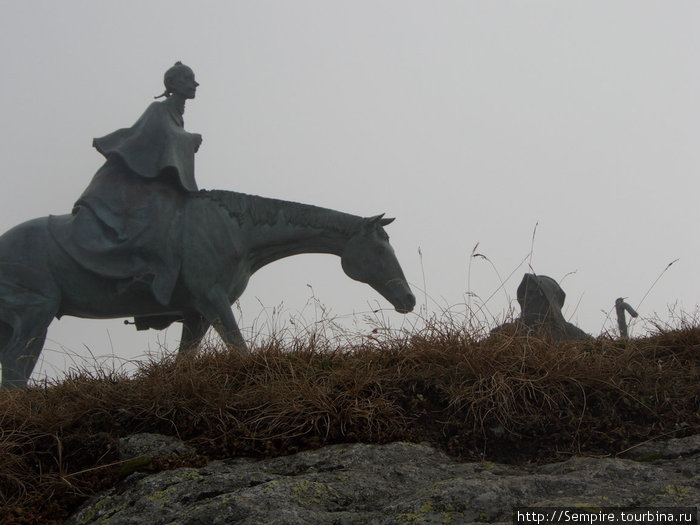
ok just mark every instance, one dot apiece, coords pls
pixel 226 237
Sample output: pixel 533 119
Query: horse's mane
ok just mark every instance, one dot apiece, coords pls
pixel 267 211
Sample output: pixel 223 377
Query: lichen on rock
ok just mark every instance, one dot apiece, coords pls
pixel 398 483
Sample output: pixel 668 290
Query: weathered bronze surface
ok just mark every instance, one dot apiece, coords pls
pixel 143 242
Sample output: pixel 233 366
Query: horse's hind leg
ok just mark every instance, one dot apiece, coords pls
pixel 27 333
pixel 19 360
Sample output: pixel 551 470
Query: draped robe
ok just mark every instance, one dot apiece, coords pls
pixel 127 225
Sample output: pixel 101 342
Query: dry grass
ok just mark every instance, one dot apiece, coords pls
pixel 501 398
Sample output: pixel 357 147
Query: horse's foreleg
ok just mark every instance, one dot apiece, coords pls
pixel 194 326
pixel 224 322
pixel 229 332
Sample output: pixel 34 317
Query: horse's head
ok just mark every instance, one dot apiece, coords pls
pixel 369 258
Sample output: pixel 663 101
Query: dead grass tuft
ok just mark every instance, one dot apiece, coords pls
pixel 501 398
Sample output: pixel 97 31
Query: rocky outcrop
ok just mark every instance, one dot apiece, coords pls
pixel 398 483
pixel 149 445
pixel 541 300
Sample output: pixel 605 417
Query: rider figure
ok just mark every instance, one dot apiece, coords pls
pixel 157 144
pixel 127 225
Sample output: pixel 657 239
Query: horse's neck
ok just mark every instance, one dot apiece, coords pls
pixel 296 229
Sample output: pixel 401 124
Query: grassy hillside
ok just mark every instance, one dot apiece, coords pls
pixel 501 398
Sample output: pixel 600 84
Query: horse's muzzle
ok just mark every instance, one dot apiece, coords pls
pixel 406 304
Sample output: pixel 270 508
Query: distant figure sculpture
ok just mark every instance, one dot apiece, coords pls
pixel 620 307
pixel 541 300
pixel 142 241
pixel 127 222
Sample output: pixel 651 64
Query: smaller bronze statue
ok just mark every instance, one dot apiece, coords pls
pixel 620 307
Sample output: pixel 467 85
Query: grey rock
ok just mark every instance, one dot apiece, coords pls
pixel 150 445
pixel 399 483
pixel 668 449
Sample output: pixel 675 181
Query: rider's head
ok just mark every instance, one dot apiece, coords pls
pixel 179 79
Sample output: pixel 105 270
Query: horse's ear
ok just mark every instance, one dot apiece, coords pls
pixel 379 220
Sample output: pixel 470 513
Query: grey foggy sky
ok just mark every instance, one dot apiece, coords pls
pixel 469 121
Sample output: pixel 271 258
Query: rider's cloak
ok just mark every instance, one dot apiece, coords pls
pixel 128 228
pixel 156 144
pixel 127 225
